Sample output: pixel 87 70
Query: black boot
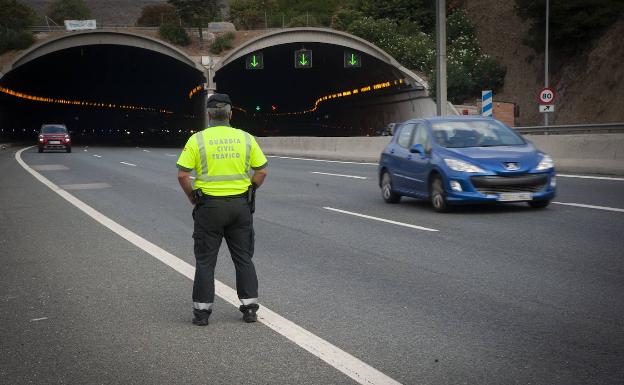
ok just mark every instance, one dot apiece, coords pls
pixel 200 317
pixel 249 312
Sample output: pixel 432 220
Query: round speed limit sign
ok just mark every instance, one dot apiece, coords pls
pixel 546 96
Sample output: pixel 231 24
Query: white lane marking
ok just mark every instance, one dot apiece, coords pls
pixel 38 319
pixel 590 177
pixel 332 355
pixel 50 167
pixel 591 206
pixel 129 164
pixel 380 219
pixel 342 175
pixel 171 154
pixel 97 156
pixel 85 186
pixel 320 160
pixel 146 150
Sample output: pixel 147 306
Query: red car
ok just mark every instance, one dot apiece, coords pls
pixel 54 137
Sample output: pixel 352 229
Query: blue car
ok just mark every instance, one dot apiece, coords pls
pixel 457 160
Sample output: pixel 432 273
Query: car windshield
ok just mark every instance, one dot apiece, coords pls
pixel 474 133
pixel 53 130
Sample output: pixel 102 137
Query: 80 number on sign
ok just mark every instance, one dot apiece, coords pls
pixel 546 96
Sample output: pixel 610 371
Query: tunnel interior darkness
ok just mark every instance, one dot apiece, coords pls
pixel 144 93
pixel 269 101
pixel 268 94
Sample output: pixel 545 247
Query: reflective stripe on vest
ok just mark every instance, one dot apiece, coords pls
pixel 219 178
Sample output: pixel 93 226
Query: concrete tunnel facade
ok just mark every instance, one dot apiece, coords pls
pixel 112 83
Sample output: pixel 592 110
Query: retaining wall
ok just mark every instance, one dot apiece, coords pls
pixel 582 153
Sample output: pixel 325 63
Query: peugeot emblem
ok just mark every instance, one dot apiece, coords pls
pixel 511 166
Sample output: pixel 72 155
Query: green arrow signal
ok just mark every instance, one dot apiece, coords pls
pixel 353 61
pixel 254 63
pixel 303 60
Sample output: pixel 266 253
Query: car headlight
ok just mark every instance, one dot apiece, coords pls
pixel 459 165
pixel 546 163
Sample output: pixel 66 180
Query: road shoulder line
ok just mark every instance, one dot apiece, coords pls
pixel 332 355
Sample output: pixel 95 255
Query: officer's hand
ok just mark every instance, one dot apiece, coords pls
pixel 192 199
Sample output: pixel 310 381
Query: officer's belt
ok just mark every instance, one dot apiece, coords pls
pixel 221 197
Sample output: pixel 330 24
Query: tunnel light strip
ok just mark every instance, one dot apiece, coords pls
pixel 43 99
pixel 195 90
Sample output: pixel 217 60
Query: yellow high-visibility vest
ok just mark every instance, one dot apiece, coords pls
pixel 222 158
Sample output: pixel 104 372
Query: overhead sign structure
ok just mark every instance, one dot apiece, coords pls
pixel 547 108
pixel 255 61
pixel 352 59
pixel 78 25
pixel 303 58
pixel 546 96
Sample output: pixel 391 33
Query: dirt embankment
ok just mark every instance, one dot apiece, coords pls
pixel 590 87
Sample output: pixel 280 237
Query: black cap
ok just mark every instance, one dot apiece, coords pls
pixel 218 100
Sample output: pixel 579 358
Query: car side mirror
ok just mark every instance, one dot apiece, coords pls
pixel 417 148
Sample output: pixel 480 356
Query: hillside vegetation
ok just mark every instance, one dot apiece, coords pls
pixel 589 83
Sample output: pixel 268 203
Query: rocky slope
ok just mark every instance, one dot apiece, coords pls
pixel 590 87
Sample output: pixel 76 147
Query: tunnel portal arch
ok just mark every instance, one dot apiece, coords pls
pixel 100 37
pixel 317 35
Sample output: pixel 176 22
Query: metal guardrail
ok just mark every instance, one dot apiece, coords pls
pixel 61 28
pixel 601 128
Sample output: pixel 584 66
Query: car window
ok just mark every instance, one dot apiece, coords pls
pixel 405 135
pixel 474 133
pixel 53 130
pixel 422 137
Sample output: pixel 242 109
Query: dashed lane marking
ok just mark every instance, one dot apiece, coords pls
pixel 331 354
pixel 380 219
pixel 97 156
pixel 128 164
pixel 85 186
pixel 50 167
pixel 342 175
pixel 591 206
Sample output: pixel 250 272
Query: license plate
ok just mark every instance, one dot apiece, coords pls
pixel 513 197
pixel 55 142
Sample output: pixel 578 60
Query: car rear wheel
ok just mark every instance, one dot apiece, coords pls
pixel 386 189
pixel 539 204
pixel 438 196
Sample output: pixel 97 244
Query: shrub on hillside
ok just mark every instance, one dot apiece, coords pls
pixel 11 39
pixel 574 24
pixel 15 15
pixel 222 43
pixel 175 34
pixel 156 14
pixel 60 10
pixel 304 21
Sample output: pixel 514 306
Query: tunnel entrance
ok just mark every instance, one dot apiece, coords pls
pixel 116 87
pixel 343 86
pixel 103 93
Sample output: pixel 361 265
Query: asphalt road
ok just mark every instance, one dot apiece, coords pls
pixel 497 295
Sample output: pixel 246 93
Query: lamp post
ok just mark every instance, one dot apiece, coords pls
pixel 546 58
pixel 441 58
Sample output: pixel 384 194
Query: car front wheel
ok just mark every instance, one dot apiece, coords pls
pixel 68 149
pixel 438 196
pixel 386 189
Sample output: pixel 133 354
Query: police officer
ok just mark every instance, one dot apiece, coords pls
pixel 222 158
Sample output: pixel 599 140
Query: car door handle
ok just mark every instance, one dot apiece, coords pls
pixel 392 151
pixel 409 157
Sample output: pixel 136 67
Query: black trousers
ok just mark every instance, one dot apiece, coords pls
pixel 216 218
